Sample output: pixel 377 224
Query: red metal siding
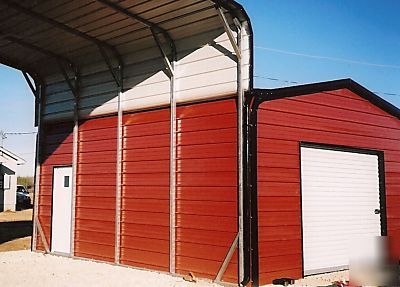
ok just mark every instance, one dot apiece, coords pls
pixel 339 118
pixel 206 204
pixel 56 150
pixel 145 191
pixel 96 186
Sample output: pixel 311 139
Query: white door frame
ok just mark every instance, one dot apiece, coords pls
pixel 381 175
pixel 68 237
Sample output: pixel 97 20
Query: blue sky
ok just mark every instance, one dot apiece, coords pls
pixel 358 30
pixel 17 115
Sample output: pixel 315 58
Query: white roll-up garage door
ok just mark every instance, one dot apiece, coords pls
pixel 340 200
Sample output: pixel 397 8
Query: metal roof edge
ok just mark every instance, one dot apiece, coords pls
pixel 313 88
pixel 17 158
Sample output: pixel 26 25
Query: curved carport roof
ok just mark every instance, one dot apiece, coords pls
pixel 36 36
pixel 76 29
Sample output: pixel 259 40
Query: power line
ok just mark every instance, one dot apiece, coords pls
pixel 327 58
pixel 19 133
pixel 278 80
pixel 3 135
pixel 296 82
pixel 388 94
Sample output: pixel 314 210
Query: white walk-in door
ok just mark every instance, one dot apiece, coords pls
pixel 61 217
pixel 340 205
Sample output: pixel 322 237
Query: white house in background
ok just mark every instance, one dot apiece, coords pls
pixel 8 179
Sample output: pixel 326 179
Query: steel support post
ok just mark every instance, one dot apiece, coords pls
pixel 155 30
pixel 241 109
pixel 237 45
pixel 39 93
pixel 172 179
pixel 170 67
pixel 74 87
pixel 37 90
pixel 75 147
pixel 119 172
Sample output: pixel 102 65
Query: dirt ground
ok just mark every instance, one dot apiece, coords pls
pixel 15 230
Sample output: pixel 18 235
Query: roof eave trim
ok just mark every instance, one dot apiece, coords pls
pixel 19 160
pixel 293 91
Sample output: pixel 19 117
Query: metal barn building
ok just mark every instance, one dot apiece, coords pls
pixel 156 152
pixel 325 170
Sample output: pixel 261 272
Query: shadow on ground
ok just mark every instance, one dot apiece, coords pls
pixel 20 207
pixel 14 230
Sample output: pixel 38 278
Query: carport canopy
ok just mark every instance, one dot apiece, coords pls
pixel 41 36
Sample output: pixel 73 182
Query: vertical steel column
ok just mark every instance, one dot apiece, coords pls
pixel 237 46
pixel 119 171
pixel 240 151
pixel 155 30
pixel 172 179
pixel 74 87
pixel 39 93
pixel 170 71
pixel 75 146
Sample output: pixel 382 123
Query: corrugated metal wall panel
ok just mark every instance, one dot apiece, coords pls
pixel 145 191
pixel 56 150
pixel 208 70
pixel 339 118
pixel 96 186
pixel 58 100
pixel 203 53
pixel 206 188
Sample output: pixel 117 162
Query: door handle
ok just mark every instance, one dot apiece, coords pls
pixel 377 211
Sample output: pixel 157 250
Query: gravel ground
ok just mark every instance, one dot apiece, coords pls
pixel 25 268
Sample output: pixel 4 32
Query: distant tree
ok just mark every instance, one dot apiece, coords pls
pixel 26 181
